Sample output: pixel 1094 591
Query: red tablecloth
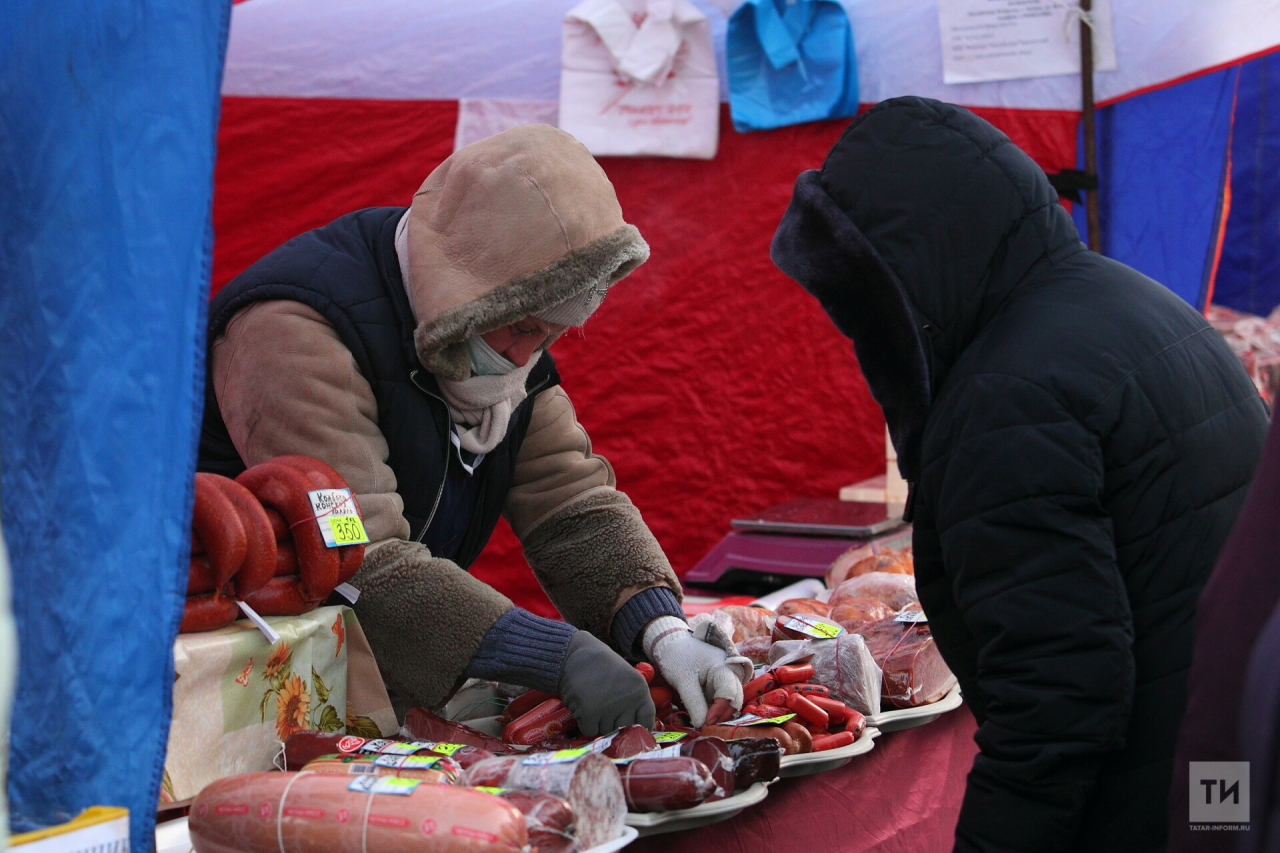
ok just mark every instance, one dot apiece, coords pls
pixel 902 797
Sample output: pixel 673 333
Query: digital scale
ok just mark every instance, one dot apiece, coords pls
pixel 795 540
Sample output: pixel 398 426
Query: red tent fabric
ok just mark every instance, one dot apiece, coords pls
pixel 714 384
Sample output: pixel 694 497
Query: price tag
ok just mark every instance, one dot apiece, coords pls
pixel 672 751
pixel 669 737
pixel 912 616
pixel 757 720
pixel 416 762
pixel 396 785
pixel 403 748
pixel 446 748
pixel 561 756
pixel 600 744
pixel 375 745
pixel 336 514
pixel 813 626
pixel 494 791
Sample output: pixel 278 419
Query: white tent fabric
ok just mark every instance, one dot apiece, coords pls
pixel 510 49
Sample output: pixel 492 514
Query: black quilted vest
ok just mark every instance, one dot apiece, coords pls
pixel 349 272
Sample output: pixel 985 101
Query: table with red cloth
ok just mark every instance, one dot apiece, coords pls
pixel 902 797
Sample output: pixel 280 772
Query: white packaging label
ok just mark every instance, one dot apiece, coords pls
pixel 912 616
pixel 337 517
pixel 384 785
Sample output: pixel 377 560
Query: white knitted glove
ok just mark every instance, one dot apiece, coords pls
pixel 701 668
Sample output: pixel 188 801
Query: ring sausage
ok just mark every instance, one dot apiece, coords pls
pixel 218 525
pixel 207 613
pixel 260 553
pixel 285 488
pixel 325 477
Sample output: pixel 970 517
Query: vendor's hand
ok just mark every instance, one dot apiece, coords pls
pixel 700 668
pixel 603 691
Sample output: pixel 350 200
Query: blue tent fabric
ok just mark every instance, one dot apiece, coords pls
pixel 108 117
pixel 790 61
pixel 1249 272
pixel 1162 170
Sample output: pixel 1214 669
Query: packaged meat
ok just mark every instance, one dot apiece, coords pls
pixel 625 742
pixel 914 672
pixel 729 732
pixel 804 605
pixel 546 720
pixel 666 784
pixel 714 754
pixel 429 768
pixel 853 614
pixel 866 558
pixel 524 703
pixel 755 649
pixel 755 759
pixel 895 590
pixel 422 724
pixel 847 667
pixel 306 812
pixel 589 781
pixel 548 819
pixel 748 622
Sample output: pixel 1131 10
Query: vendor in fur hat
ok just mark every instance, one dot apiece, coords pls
pixel 407 348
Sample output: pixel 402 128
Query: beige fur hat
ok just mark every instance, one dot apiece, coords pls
pixel 509 226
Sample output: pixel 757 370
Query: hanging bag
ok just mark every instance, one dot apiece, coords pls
pixel 639 77
pixel 790 61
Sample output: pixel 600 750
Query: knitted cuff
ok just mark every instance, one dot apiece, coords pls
pixel 641 609
pixel 521 648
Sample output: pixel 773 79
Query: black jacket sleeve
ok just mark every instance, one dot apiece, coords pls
pixel 1030 557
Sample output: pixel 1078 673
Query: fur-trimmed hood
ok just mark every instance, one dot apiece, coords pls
pixel 922 221
pixel 507 227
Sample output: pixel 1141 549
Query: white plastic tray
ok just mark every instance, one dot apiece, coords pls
pixel 906 718
pixel 651 823
pixel 175 837
pixel 817 762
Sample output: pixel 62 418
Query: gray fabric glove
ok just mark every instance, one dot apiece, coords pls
pixel 602 690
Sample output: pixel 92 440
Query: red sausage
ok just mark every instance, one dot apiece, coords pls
pixel 260 554
pixel 808 689
pixel 808 711
pixel 856 723
pixel 628 741
pixel 218 525
pixel 207 613
pixel 646 670
pixel 285 488
pixel 286 559
pixel 325 477
pixel 426 725
pixel 762 710
pixel 792 674
pixel 200 577
pixel 549 719
pixel 664 784
pixel 280 597
pixel 526 702
pixel 836 710
pixel 279 527
pixel 759 686
pixel 835 741
pixel 774 697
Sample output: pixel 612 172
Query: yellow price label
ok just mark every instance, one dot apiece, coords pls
pixel 347 530
pixel 447 748
pixel 828 630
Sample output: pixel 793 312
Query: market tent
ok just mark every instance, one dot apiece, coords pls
pixel 714 385
pixel 107 127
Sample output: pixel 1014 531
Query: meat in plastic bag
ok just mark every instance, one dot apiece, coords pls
pixel 748 622
pixel 846 667
pixel 895 590
pixel 857 614
pixel 913 670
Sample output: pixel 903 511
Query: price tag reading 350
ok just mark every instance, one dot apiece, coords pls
pixel 336 514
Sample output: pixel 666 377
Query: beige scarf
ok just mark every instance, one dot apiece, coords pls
pixel 481 406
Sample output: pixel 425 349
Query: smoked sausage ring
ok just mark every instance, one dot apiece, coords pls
pixel 218 525
pixel 325 477
pixel 260 555
pixel 284 488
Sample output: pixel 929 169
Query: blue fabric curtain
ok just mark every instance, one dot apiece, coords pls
pixel 1162 169
pixel 1249 273
pixel 108 117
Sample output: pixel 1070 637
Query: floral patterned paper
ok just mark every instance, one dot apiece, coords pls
pixel 237 698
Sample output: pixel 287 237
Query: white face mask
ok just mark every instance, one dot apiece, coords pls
pixel 485 360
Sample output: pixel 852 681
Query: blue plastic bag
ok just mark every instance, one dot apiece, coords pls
pixel 790 61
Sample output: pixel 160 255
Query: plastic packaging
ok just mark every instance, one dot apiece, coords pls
pixel 590 783
pixel 857 614
pixel 667 784
pixel 748 622
pixel 895 590
pixel 914 672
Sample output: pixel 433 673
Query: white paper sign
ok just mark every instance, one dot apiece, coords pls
pixel 986 40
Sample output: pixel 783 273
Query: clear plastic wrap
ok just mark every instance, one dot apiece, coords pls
pixel 755 649
pixel 913 670
pixel 895 590
pixel 857 614
pixel 844 665
pixel 590 783
pixel 548 818
pixel 746 622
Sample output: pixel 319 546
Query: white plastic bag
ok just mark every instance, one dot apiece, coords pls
pixel 639 78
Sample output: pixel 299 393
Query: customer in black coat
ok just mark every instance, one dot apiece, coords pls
pixel 1078 441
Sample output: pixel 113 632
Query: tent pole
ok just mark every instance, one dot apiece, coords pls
pixel 1090 136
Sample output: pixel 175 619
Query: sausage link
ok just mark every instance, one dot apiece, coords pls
pixel 281 597
pixel 547 720
pixel 325 477
pixel 207 613
pixel 260 554
pixel 200 579
pixel 285 488
pixel 219 527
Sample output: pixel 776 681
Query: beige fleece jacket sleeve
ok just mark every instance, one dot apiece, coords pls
pixel 286 383
pixel 586 542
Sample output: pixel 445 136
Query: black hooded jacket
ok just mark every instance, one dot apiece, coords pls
pixel 1079 442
